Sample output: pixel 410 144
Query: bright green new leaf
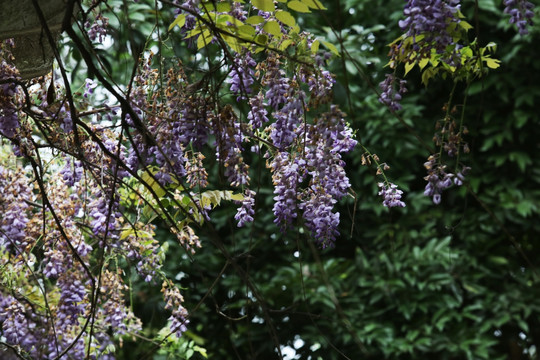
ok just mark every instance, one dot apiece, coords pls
pixel 314 4
pixel 467 52
pixel 180 21
pixel 492 63
pixel 254 20
pixel 422 63
pixel 285 44
pixel 298 6
pixel 246 30
pixel 272 27
pixel 333 49
pixel 409 66
pixel 204 39
pixel 194 32
pixel 286 18
pixel 223 7
pixel 261 39
pixel 315 46
pixel 295 30
pixel 264 5
pixel 149 179
pixel 233 43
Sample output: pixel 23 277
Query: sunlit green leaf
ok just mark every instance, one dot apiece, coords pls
pixel 180 21
pixel 298 6
pixel 314 4
pixel 254 20
pixel 492 63
pixel 264 5
pixel 331 47
pixel 286 18
pixel 272 27
pixel 315 46
pixel 204 39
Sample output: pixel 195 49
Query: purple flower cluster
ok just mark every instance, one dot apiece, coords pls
pixel 439 180
pixel 169 156
pixel 196 174
pixel 389 95
pixel 241 75
pixel 17 326
pixel 139 246
pixel 113 310
pixel 194 126
pixel 9 121
pixel 287 174
pixel 320 83
pixel 72 172
pixel 14 192
pixel 521 13
pixel 191 5
pixel 326 139
pixel 238 11
pixel 391 195
pixel 105 214
pixel 318 216
pixel 277 82
pixel 229 139
pixel 189 111
pixel 247 209
pixel 179 316
pixel 257 116
pixel 97 30
pixel 71 305
pixel 430 18
pixel 287 119
pixel 89 86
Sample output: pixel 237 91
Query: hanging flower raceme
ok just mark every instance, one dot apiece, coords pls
pixel 391 195
pixel 14 195
pixel 287 173
pixel 438 179
pixel 427 22
pixel 521 14
pixel 247 209
pixel 9 120
pixel 392 90
pixel 241 75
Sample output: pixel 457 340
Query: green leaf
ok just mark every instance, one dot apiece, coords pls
pixel 264 5
pixel 422 63
pixel 333 49
pixel 247 30
pixel 427 74
pixel 465 25
pixel 180 21
pixel 298 6
pixel 254 20
pixel 314 4
pixel 272 27
pixel 261 39
pixel 409 66
pixel 315 46
pixel 492 63
pixel 232 42
pixel 204 39
pixel 158 189
pixel 285 17
pixel 224 7
pixel 285 44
